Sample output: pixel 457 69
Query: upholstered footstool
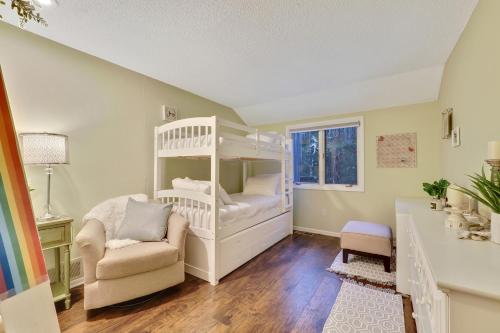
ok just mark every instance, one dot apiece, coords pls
pixel 367 239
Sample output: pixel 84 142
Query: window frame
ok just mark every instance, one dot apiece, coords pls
pixel 322 126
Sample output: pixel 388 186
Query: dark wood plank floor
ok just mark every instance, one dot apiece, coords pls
pixel 285 289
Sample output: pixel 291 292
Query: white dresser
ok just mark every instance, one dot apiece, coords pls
pixel 454 284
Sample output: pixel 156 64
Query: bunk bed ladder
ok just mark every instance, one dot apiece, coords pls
pixel 158 170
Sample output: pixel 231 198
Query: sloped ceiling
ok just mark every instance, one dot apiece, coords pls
pixel 272 60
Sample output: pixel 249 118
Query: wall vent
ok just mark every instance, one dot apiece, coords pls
pixel 75 271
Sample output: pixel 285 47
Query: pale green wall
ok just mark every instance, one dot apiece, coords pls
pixel 330 210
pixel 108 112
pixel 471 85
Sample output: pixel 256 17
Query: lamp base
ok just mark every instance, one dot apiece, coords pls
pixel 495 169
pixel 47 217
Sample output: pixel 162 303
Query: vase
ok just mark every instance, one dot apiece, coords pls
pixel 436 204
pixel 495 228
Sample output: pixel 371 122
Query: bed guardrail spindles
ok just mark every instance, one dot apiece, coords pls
pixel 214 249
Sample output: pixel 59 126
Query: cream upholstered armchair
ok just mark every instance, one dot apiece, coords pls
pixel 118 275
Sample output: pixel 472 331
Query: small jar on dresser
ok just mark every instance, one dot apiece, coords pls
pixel 57 236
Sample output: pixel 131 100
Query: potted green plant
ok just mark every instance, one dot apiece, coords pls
pixel 437 190
pixel 487 191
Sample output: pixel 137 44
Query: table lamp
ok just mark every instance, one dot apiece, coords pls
pixel 45 149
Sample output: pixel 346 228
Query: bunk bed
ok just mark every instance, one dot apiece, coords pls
pixel 223 237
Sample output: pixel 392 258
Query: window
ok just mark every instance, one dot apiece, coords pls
pixel 306 150
pixel 329 155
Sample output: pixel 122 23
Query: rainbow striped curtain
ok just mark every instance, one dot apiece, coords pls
pixel 21 260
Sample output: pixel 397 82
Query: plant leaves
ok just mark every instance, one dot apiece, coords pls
pixel 486 191
pixel 26 12
pixel 437 189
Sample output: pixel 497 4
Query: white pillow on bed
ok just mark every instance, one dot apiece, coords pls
pixel 191 185
pixel 265 138
pixel 203 186
pixel 266 185
pixel 225 197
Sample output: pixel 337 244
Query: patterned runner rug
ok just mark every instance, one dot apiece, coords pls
pixel 365 309
pixel 369 269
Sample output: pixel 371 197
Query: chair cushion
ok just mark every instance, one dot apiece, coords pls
pixel 136 259
pixel 367 237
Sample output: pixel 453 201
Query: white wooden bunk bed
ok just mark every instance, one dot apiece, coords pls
pixel 222 238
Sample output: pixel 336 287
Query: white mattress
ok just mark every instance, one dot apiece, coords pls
pixel 256 208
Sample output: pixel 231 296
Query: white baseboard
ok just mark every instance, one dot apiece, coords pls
pixel 200 273
pixel 317 231
pixel 76 282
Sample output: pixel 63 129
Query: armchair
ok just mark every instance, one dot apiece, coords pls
pixel 118 275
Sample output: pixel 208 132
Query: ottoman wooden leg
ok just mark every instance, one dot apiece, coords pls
pixel 387 264
pixel 345 256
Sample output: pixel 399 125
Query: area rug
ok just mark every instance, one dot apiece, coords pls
pixel 365 268
pixel 362 309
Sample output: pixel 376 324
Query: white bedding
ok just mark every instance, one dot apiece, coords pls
pixel 194 142
pixel 247 207
pixel 206 140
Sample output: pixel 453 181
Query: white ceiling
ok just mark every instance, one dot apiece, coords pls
pixel 272 60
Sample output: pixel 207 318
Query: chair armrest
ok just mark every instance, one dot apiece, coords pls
pixel 176 233
pixel 91 241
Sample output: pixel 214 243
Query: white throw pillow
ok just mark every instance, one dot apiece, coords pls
pixel 226 199
pixel 266 185
pixel 144 221
pixel 191 185
pixel 203 186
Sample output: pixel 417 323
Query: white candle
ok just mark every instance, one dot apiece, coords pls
pixel 455 197
pixel 494 150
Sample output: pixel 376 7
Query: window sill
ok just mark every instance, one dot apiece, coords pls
pixel 338 188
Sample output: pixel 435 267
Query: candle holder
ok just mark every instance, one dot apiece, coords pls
pixel 456 219
pixel 495 169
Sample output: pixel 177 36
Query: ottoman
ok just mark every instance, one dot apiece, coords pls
pixel 367 239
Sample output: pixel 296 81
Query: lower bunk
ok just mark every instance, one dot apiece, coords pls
pixel 212 259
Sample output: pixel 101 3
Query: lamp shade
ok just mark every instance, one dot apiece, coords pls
pixel 44 148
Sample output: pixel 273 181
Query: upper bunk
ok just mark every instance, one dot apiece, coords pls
pixel 209 137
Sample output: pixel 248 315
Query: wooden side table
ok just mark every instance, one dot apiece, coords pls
pixel 57 235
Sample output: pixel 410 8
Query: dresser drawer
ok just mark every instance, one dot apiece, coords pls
pixel 55 236
pixel 430 305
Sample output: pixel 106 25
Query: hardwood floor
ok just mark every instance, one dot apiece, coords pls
pixel 285 289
